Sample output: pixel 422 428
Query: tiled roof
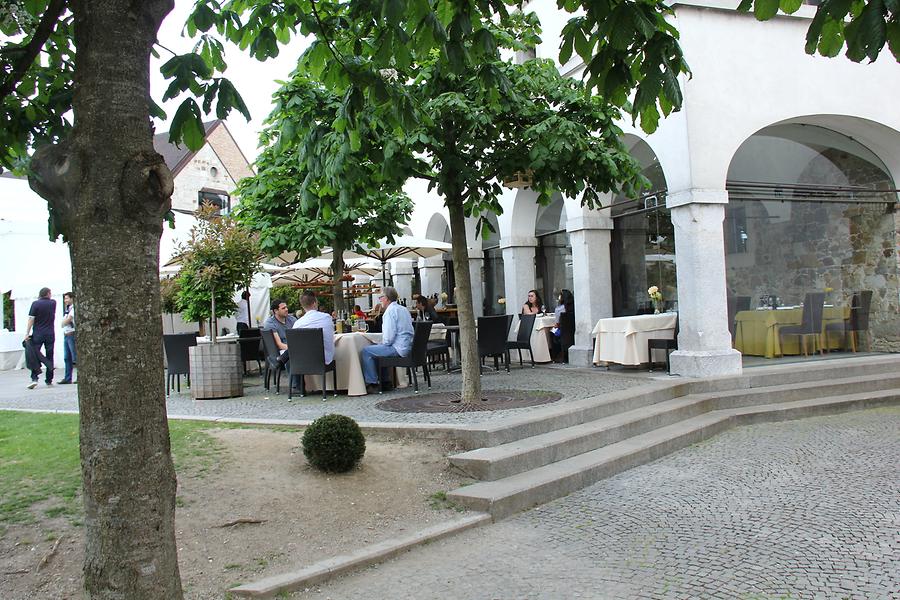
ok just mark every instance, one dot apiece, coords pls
pixel 176 157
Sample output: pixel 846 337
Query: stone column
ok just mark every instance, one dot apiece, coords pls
pixel 589 237
pixel 476 267
pixel 403 278
pixel 518 270
pixel 704 344
pixel 430 270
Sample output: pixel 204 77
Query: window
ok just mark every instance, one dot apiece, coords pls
pixel 736 231
pixel 217 198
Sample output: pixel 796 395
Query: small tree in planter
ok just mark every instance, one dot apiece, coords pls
pixel 220 257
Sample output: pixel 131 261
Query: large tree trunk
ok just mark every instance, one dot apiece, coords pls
pixel 337 271
pixel 471 376
pixel 108 191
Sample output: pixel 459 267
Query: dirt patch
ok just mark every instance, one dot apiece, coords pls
pixel 259 476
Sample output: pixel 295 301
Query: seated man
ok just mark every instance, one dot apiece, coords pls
pixel 397 335
pixel 279 322
pixel 313 319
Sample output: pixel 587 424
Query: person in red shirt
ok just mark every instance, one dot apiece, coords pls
pixel 358 311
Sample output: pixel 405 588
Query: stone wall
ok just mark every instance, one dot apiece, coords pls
pixel 799 247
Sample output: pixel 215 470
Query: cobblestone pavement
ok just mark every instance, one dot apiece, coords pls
pixel 257 404
pixel 802 509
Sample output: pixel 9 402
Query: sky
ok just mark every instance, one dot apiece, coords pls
pixel 256 81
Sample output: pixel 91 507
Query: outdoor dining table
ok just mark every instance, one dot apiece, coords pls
pixel 348 365
pixel 756 331
pixel 623 340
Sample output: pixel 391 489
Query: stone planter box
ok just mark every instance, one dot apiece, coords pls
pixel 216 371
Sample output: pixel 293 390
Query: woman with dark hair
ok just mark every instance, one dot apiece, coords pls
pixel 533 304
pixel 426 310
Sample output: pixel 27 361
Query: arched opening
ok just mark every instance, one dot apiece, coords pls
pixel 810 211
pixel 553 255
pixel 494 276
pixel 642 249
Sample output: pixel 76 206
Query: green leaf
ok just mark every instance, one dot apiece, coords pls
pixel 789 7
pixel 392 11
pixel 203 18
pixel 832 38
pixel 893 38
pixel 764 10
pixel 745 6
pixel 187 125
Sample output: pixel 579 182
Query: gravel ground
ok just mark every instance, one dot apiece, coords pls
pixel 574 384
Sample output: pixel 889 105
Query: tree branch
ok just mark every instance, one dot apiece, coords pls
pixel 32 49
pixel 328 42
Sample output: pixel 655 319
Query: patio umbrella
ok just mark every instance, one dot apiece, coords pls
pixel 404 246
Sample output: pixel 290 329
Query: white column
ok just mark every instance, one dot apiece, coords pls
pixel 403 278
pixel 589 237
pixel 704 344
pixel 430 270
pixel 518 270
pixel 476 266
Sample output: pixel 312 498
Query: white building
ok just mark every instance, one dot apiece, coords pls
pixel 210 173
pixel 776 178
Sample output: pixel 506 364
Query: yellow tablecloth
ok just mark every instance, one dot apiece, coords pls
pixel 623 340
pixel 756 331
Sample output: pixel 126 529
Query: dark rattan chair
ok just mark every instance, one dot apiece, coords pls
pixel 566 333
pixel 307 351
pixel 492 334
pixel 177 358
pixel 523 338
pixel 273 366
pixel 251 347
pixel 439 350
pixel 810 323
pixel 418 356
pixel 666 345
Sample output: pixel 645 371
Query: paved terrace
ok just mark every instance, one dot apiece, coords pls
pixel 573 384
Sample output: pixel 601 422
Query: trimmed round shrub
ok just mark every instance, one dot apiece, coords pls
pixel 333 443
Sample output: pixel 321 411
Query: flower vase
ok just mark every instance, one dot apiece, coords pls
pixel 657 307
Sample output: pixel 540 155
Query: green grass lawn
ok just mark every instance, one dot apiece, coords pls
pixel 40 465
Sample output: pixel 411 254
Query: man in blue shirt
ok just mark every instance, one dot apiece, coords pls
pixel 396 338
pixel 41 332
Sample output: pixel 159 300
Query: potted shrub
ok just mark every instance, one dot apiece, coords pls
pixel 218 258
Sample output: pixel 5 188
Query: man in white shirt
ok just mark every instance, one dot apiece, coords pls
pixel 313 319
pixel 396 338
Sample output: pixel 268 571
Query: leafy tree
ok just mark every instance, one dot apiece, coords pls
pixel 477 128
pixel 74 83
pixel 860 26
pixel 219 257
pixel 290 201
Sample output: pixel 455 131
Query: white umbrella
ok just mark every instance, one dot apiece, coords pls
pixel 403 246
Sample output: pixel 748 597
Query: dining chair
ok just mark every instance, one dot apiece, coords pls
pixel 177 358
pixel 307 351
pixel 523 338
pixel 492 334
pixel 274 367
pixel 439 350
pixel 857 322
pixel 566 333
pixel 417 357
pixel 667 345
pixel 250 343
pixel 810 323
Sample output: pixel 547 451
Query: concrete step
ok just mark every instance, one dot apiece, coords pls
pixel 504 460
pixel 515 493
pixel 555 417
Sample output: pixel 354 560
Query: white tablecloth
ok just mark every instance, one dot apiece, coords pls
pixel 348 365
pixel 623 340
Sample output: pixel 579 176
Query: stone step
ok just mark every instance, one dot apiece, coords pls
pixel 555 417
pixel 504 460
pixel 515 493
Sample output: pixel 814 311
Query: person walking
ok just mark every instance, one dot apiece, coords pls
pixel 68 329
pixel 40 332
